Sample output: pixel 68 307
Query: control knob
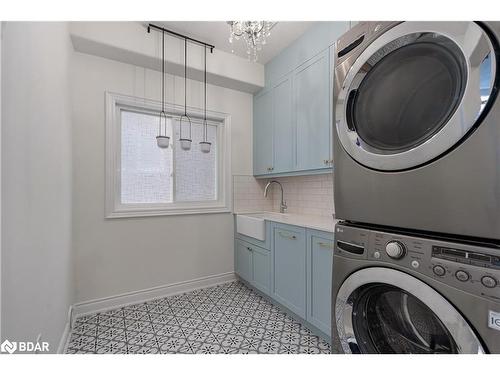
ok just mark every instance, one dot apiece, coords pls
pixel 439 270
pixel 462 276
pixel 395 249
pixel 489 282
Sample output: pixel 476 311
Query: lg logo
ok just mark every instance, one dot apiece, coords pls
pixel 494 320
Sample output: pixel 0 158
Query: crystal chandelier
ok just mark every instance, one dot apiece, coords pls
pixel 254 33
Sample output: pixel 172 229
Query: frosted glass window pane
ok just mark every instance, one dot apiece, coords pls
pixel 146 169
pixel 195 171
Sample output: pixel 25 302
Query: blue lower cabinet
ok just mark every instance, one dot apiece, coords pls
pixel 261 268
pixel 243 261
pixel 319 279
pixel 253 264
pixel 296 271
pixel 289 268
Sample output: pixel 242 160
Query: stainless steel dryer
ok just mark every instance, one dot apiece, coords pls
pixel 397 293
pixel 417 140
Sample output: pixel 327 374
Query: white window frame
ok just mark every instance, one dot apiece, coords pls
pixel 114 208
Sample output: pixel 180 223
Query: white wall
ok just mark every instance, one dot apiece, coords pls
pixel 37 267
pixel 115 256
pixel 129 42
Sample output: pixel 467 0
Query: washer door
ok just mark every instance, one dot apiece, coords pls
pixel 414 93
pixel 381 310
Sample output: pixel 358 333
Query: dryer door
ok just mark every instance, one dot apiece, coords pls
pixel 414 93
pixel 381 310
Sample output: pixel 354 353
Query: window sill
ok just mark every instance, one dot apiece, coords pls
pixel 166 212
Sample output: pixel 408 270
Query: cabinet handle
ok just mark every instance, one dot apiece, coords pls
pixel 249 248
pixel 325 162
pixel 290 237
pixel 327 245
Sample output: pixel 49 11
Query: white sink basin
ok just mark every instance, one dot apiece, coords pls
pixel 252 226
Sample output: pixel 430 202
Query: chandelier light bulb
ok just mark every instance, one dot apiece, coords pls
pixel 254 33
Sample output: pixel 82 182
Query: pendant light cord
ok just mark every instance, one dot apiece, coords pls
pixel 162 113
pixel 185 77
pixel 163 72
pixel 185 92
pixel 163 79
pixel 205 126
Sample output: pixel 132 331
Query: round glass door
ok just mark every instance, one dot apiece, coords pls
pixel 414 93
pixel 388 319
pixel 382 310
pixel 395 106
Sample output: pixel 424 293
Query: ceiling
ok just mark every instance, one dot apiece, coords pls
pixel 217 33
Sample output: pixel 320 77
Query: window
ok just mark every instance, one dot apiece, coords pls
pixel 144 180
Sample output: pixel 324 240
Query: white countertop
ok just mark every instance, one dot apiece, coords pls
pixel 323 223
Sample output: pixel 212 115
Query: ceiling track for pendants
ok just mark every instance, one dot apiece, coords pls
pixel 181 36
pixel 186 143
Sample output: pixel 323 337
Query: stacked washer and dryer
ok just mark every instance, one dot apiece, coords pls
pixel 417 189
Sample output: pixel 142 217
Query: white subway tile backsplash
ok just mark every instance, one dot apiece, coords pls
pixel 248 194
pixel 308 195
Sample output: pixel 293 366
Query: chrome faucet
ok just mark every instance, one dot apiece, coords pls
pixel 283 206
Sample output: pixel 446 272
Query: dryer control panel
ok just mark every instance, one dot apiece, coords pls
pixel 474 269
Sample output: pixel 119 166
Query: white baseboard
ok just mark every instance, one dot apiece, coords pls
pixel 120 300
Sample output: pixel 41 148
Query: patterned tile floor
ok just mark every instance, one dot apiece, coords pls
pixel 229 318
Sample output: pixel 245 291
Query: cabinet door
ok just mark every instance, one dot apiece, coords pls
pixel 261 268
pixel 319 269
pixel 283 128
pixel 289 268
pixel 312 103
pixel 244 260
pixel 263 133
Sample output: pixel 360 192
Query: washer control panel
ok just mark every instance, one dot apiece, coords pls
pixel 470 268
pixel 467 257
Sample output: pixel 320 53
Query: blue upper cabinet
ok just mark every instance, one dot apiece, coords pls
pixel 293 113
pixel 282 121
pixel 263 133
pixel 312 110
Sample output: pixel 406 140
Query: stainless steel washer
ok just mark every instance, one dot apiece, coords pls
pixel 398 293
pixel 417 123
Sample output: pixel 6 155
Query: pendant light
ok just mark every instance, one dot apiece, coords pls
pixel 162 140
pixel 185 142
pixel 205 145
